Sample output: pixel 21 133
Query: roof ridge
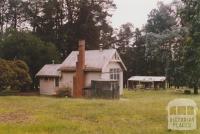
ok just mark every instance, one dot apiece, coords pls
pixel 97 50
pixel 52 64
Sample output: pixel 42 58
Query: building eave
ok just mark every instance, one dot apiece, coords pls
pixel 87 69
pixel 52 76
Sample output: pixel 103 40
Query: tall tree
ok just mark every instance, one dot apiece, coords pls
pixel 190 17
pixel 15 13
pixel 33 13
pixel 3 12
pixel 125 37
pixel 161 19
pixel 139 53
pixel 163 39
pixel 131 46
pixel 64 22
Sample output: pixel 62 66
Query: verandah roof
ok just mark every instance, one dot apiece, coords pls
pixel 147 78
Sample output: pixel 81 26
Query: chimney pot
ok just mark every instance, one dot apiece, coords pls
pixel 100 47
pixel 81 42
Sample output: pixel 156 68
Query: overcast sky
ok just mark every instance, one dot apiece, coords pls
pixel 134 11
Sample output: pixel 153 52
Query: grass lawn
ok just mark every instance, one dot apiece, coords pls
pixel 140 112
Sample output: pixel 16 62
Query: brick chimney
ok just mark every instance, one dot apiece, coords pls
pixel 79 78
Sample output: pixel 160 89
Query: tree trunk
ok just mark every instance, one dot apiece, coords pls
pixel 195 89
pixel 15 19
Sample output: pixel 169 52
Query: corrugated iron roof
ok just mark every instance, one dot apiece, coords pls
pixel 147 78
pixel 93 58
pixel 49 70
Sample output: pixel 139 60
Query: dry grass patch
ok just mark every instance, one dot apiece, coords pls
pixel 137 112
pixel 15 117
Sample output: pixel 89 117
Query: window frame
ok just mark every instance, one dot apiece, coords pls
pixel 115 73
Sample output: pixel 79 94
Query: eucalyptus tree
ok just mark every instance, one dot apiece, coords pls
pixel 3 13
pixel 16 14
pixel 164 37
pixel 190 17
pixel 64 22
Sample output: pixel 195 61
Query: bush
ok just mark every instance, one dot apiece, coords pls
pixel 6 74
pixel 14 75
pixel 22 79
pixel 64 91
pixel 187 91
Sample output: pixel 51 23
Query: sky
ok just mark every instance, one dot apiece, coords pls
pixel 134 11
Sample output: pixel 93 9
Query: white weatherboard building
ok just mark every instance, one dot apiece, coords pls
pixel 99 64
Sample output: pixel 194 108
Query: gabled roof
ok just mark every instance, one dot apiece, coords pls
pixel 50 70
pixel 147 78
pixel 94 60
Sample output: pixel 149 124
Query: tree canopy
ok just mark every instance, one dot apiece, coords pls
pixel 27 47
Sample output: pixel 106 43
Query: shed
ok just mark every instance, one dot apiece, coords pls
pixel 146 82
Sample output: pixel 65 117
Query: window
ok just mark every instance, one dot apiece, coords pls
pixel 57 82
pixel 115 74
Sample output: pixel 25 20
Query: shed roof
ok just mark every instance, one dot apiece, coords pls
pixel 49 70
pixel 147 78
pixel 94 59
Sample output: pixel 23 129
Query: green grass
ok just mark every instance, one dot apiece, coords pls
pixel 140 112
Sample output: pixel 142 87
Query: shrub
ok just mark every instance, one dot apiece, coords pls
pixel 64 91
pixel 187 91
pixel 14 74
pixel 22 79
pixel 6 74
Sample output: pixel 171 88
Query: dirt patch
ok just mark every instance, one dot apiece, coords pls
pixel 18 117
